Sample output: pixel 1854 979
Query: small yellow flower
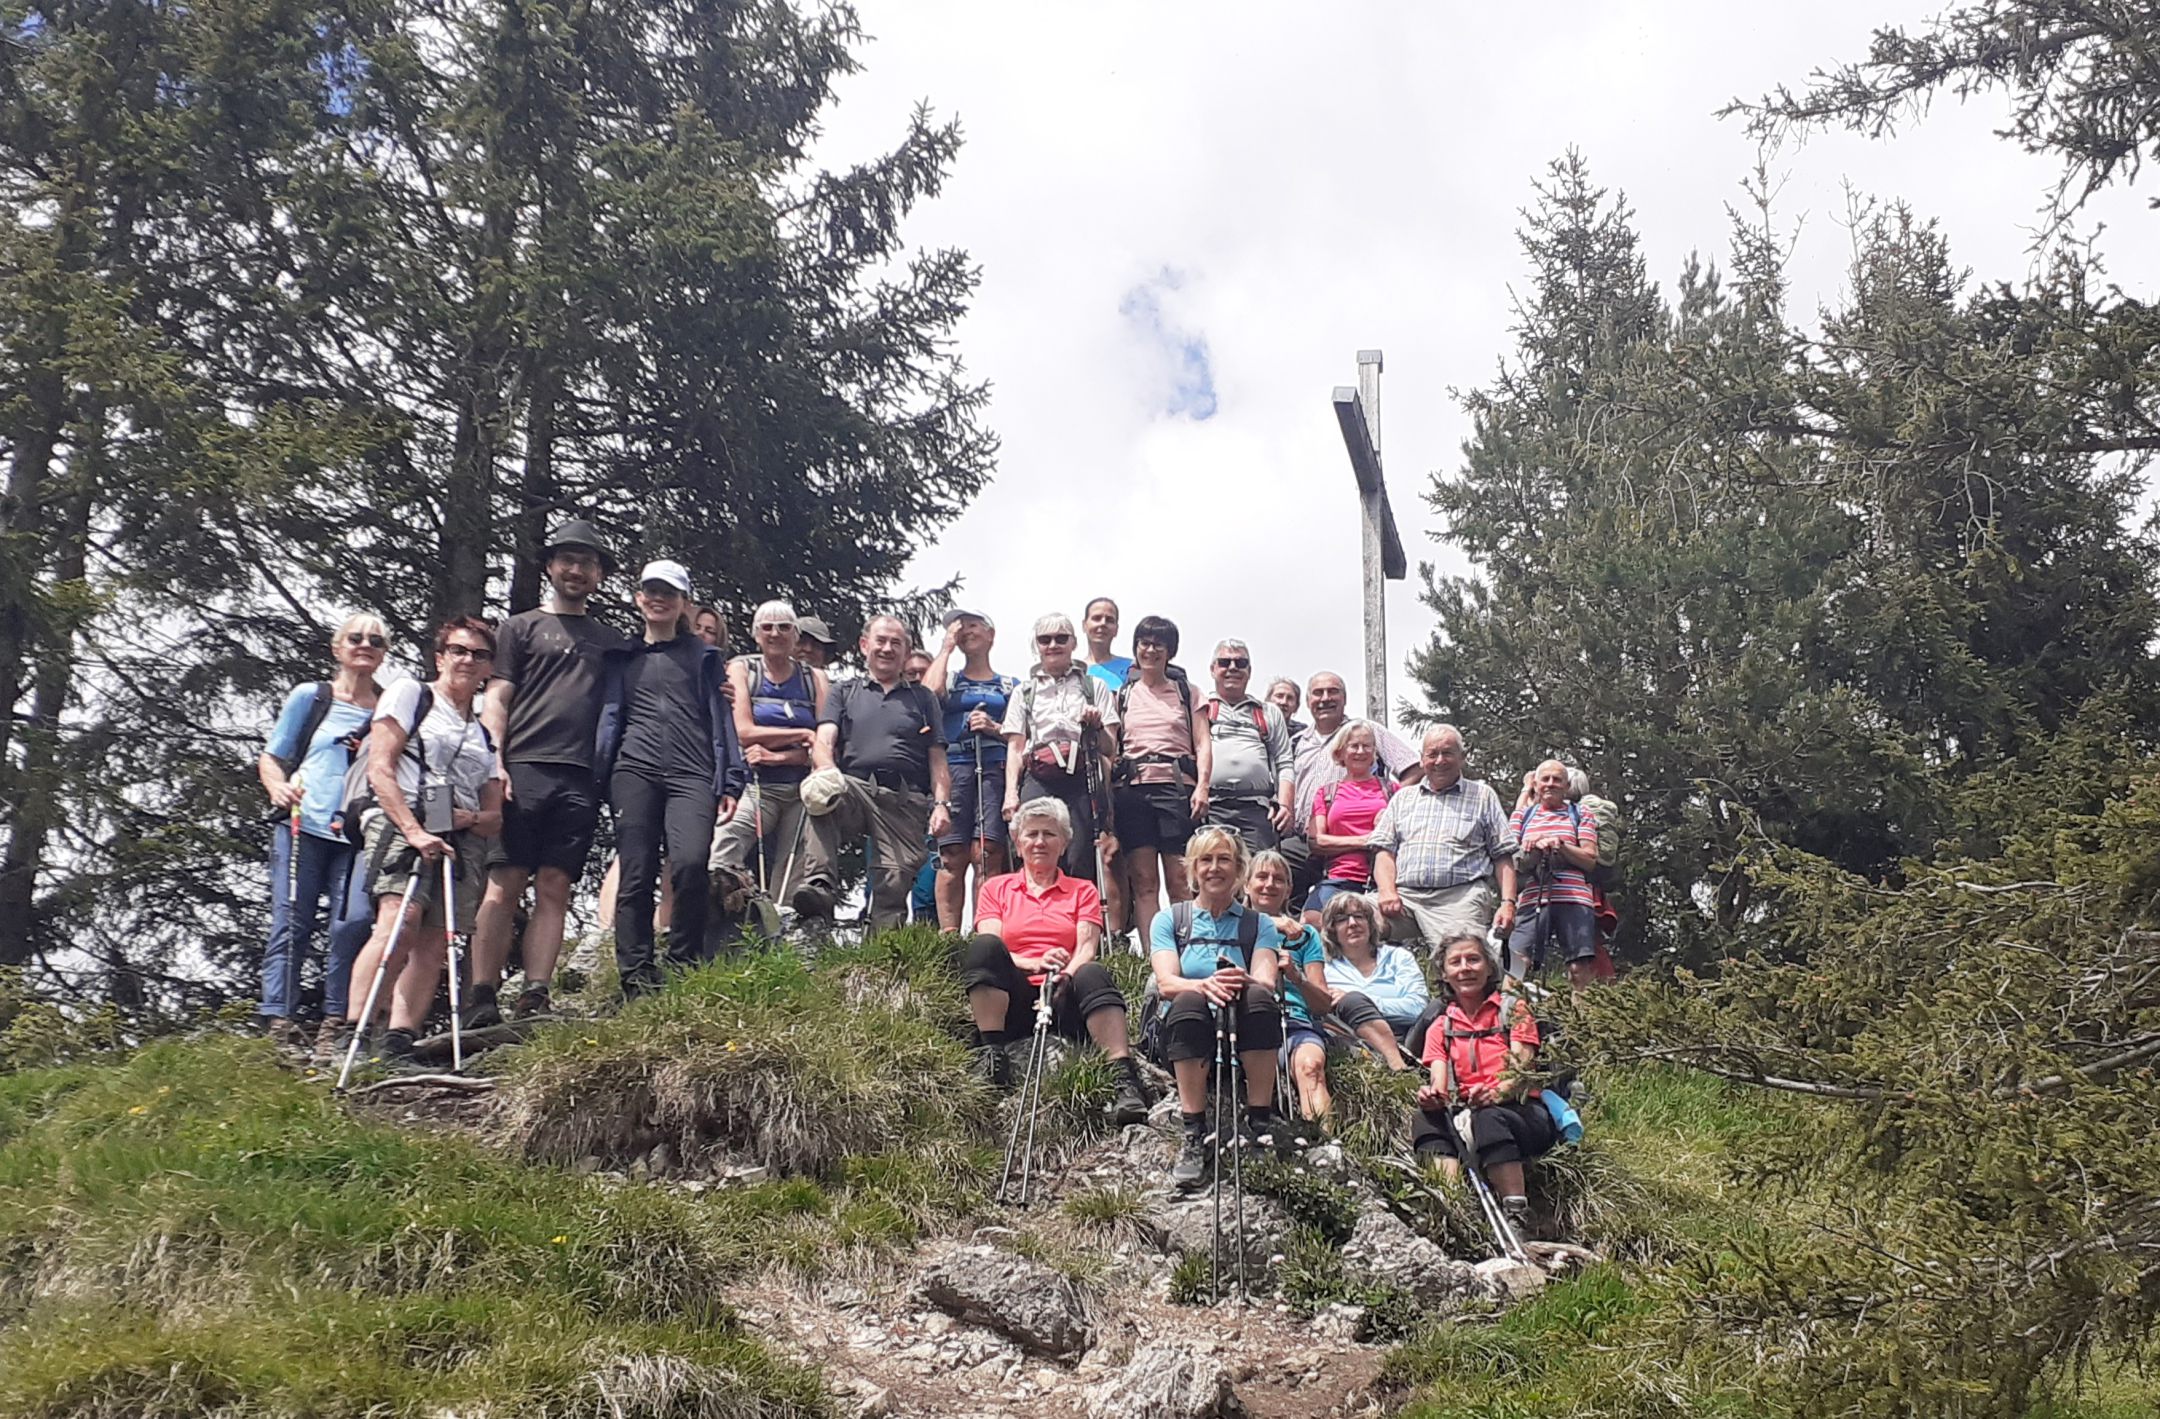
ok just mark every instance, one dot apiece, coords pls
pixel 557 1241
pixel 733 1047
pixel 140 1109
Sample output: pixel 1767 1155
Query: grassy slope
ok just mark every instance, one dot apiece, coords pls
pixel 196 1228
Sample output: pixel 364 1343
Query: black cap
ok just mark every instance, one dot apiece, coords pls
pixel 577 532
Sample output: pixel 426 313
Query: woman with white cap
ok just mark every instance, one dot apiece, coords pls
pixel 666 751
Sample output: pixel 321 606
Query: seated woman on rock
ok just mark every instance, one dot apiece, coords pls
pixel 1374 983
pixel 1476 1059
pixel 1209 953
pixel 1030 924
pixel 1310 994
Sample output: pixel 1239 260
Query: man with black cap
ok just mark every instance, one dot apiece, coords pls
pixel 542 710
pixel 880 756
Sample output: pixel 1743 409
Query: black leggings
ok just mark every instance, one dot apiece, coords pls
pixel 1188 1031
pixel 1357 1011
pixel 1081 994
pixel 1503 1133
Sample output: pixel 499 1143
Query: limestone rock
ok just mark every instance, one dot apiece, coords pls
pixel 1339 1322
pixel 1384 1250
pixel 1035 1306
pixel 1166 1381
pixel 1185 1226
pixel 1509 1281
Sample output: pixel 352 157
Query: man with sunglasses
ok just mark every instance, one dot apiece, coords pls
pixel 1250 791
pixel 1059 734
pixel 542 710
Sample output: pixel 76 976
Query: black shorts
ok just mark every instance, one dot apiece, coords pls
pixel 553 812
pixel 1154 815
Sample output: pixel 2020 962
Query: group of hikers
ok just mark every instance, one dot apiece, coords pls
pixel 1308 864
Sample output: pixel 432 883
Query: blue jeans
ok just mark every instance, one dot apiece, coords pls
pixel 325 873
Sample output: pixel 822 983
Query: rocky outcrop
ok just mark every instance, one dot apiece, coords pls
pixel 1033 1305
pixel 1169 1380
pixel 1382 1250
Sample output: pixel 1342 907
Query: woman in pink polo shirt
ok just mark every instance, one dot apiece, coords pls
pixel 1475 1057
pixel 1343 816
pixel 1029 924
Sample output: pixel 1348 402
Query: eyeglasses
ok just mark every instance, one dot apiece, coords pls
pixel 1053 640
pixel 1232 662
pixel 468 652
pixel 776 625
pixel 358 638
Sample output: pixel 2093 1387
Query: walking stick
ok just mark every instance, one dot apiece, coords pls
pixel 1029 1102
pixel 1222 1074
pixel 382 966
pixel 982 836
pixel 295 944
pixel 1505 1242
pixel 1237 1148
pixel 450 934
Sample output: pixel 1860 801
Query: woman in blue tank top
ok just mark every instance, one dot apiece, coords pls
pixel 777 704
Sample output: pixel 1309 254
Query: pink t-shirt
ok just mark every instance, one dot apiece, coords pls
pixel 1156 722
pixel 1350 809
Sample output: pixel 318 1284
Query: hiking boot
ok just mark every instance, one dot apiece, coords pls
pixel 1132 1102
pixel 285 1032
pixel 993 1066
pixel 533 1001
pixel 1517 1212
pixel 811 902
pixel 485 1011
pixel 1192 1160
pixel 331 1042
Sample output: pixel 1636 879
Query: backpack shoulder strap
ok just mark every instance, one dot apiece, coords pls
pixel 1259 720
pixel 1181 924
pixel 1248 934
pixel 1574 813
pixel 318 710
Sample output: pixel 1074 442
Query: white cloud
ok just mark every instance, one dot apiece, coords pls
pixel 1320 180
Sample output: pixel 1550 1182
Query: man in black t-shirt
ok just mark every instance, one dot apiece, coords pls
pixel 543 708
pixel 887 739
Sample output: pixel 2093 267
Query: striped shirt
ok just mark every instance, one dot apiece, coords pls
pixel 1444 837
pixel 1570 885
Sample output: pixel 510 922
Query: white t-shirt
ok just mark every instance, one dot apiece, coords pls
pixel 456 748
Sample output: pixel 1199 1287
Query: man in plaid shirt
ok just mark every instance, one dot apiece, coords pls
pixel 1439 848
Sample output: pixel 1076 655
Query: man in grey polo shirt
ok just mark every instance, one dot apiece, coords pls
pixel 1438 848
pixel 1249 792
pixel 886 738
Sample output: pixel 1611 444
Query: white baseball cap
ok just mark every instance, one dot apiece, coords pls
pixel 673 574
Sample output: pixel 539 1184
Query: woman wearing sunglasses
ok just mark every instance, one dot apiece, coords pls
pixel 302 769
pixel 1059 735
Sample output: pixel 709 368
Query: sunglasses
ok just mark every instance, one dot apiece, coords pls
pixel 1053 640
pixel 357 638
pixel 468 652
pixel 776 625
pixel 1233 663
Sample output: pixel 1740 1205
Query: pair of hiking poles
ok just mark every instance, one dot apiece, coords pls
pixel 1229 1119
pixel 382 969
pixel 1507 1242
pixel 766 908
pixel 1028 1103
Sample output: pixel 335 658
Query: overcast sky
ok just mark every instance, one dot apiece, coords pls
pixel 1190 218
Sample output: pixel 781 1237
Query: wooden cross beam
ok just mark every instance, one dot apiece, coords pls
pixel 1358 412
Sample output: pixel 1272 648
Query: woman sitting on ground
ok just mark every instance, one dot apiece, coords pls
pixel 438 798
pixel 1031 925
pixel 1476 1060
pixel 1210 953
pixel 1343 816
pixel 1311 996
pixel 1373 983
pixel 306 785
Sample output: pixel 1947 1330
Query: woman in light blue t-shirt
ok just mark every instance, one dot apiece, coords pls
pixel 302 769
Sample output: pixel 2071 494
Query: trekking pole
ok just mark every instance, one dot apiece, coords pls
pixel 1222 1075
pixel 1508 1244
pixel 457 1028
pixel 982 838
pixel 1029 1099
pixel 382 966
pixel 1237 1146
pixel 294 944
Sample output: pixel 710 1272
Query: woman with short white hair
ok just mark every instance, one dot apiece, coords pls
pixel 302 769
pixel 1041 927
pixel 776 704
pixel 1059 734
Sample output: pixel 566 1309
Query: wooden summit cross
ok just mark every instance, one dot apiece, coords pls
pixel 1358 411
